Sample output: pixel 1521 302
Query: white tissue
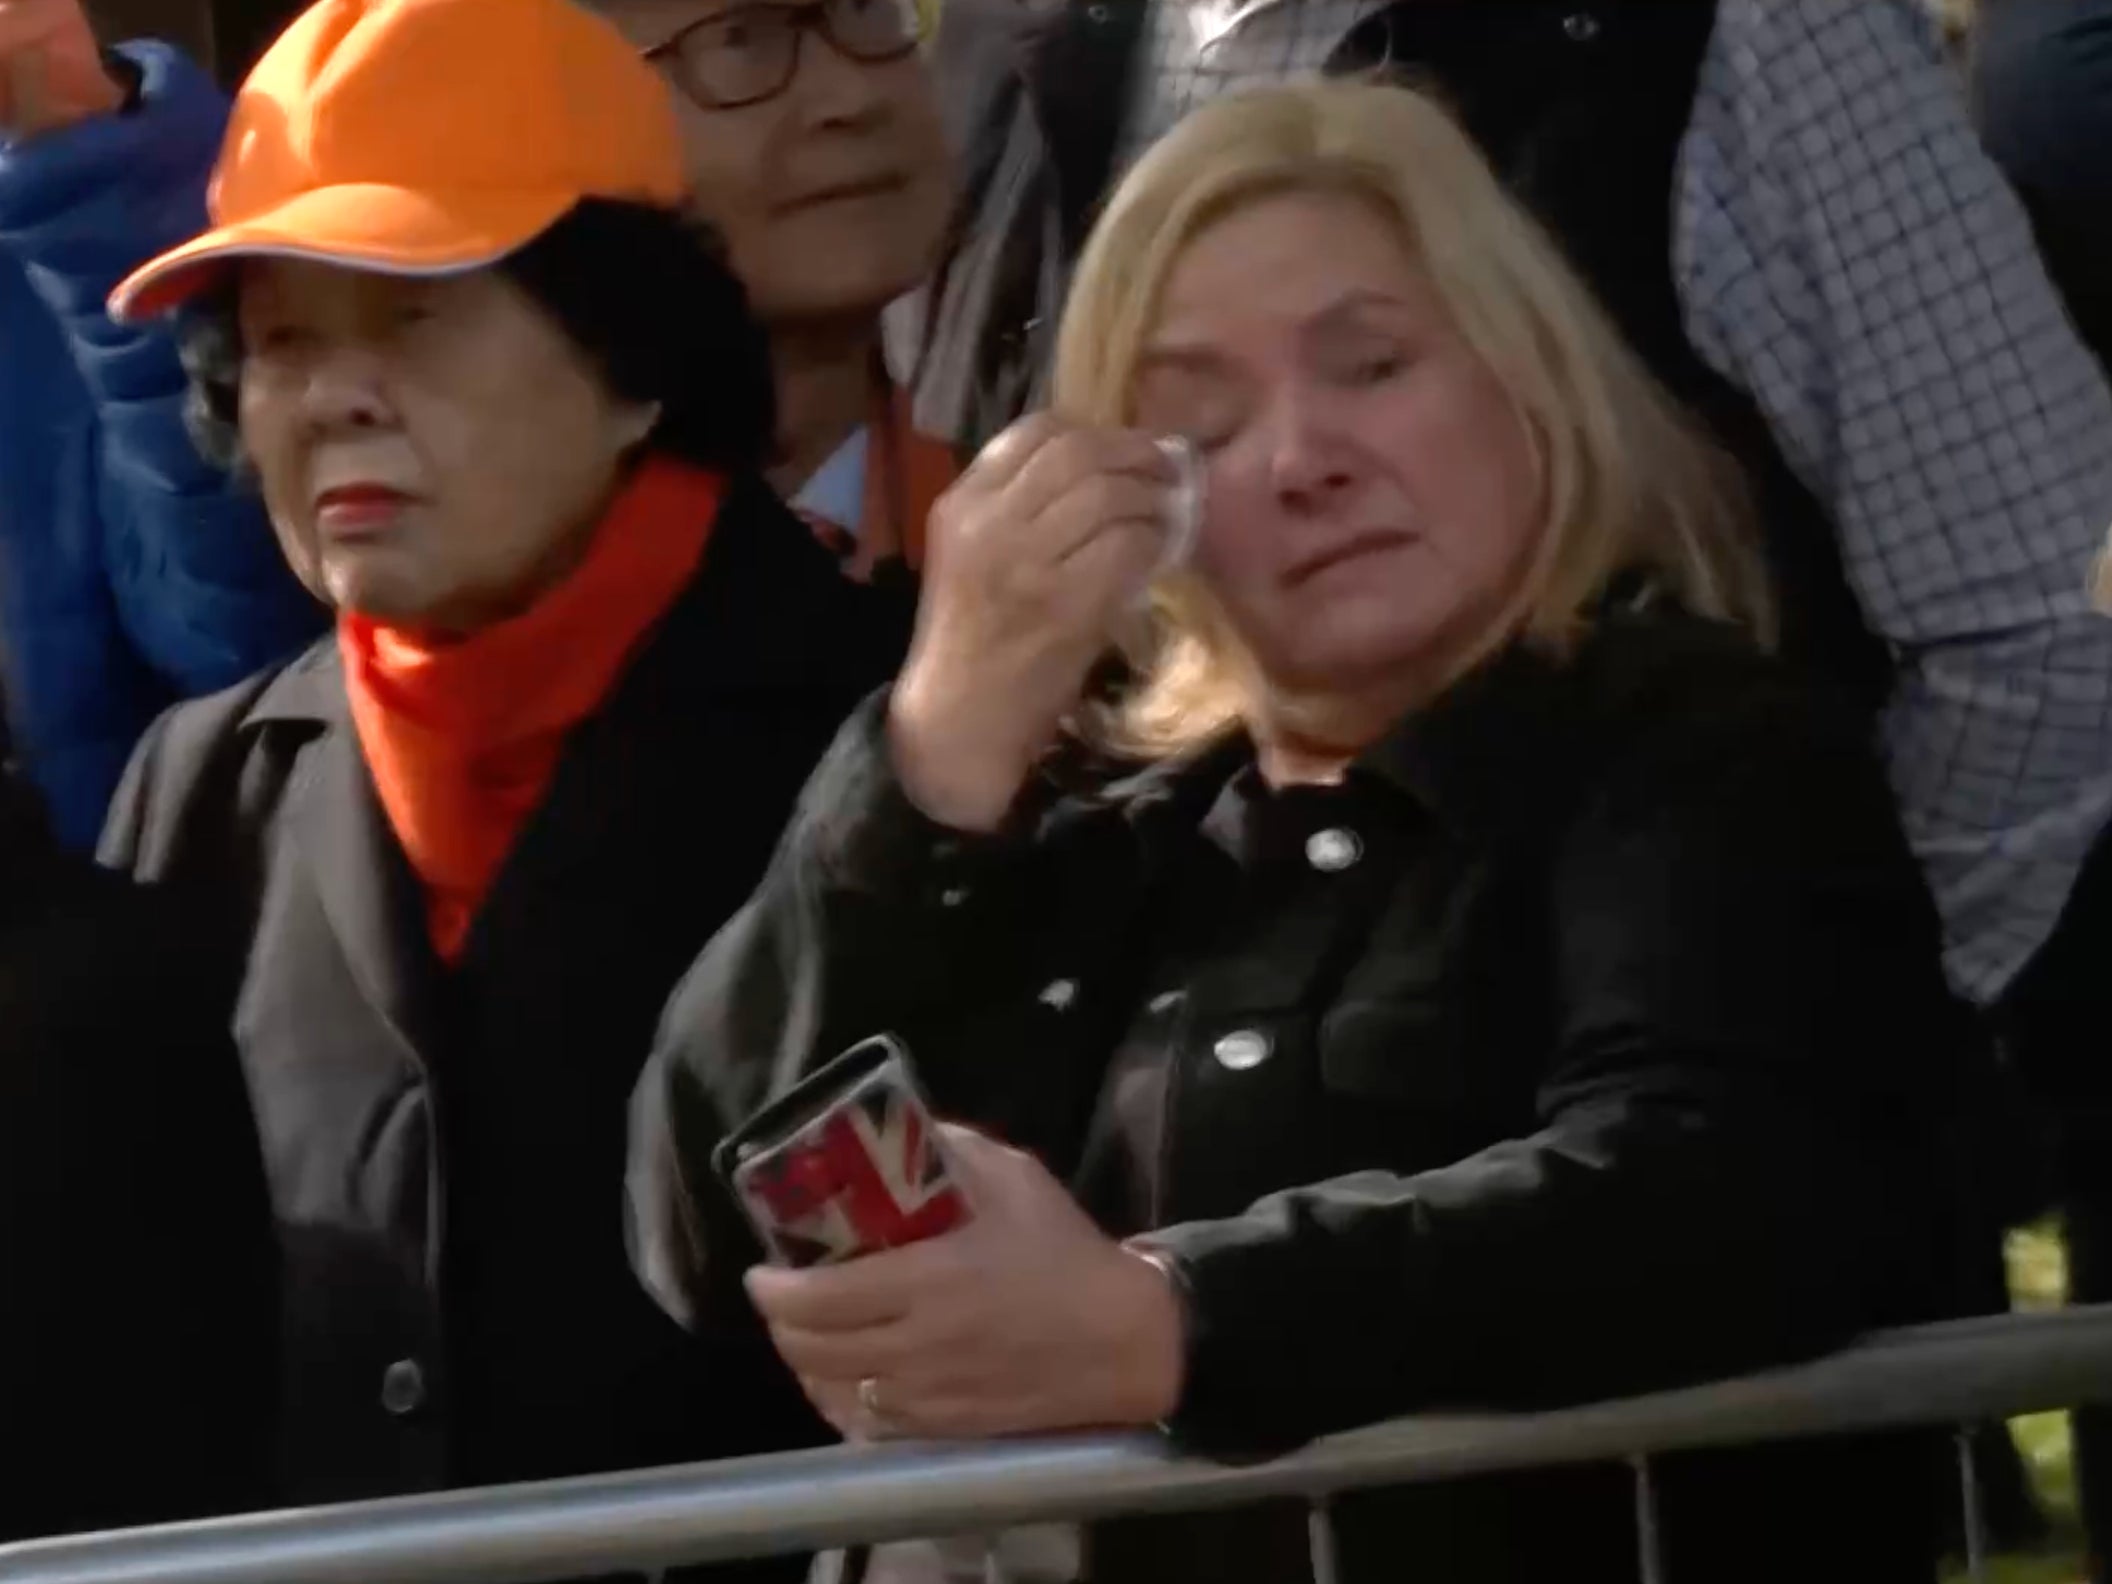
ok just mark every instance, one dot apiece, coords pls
pixel 1184 516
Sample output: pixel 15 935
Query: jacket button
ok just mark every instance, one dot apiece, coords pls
pixel 403 1388
pixel 1242 1049
pixel 1581 26
pixel 1332 851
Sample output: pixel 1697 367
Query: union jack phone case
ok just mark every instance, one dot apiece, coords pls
pixel 846 1164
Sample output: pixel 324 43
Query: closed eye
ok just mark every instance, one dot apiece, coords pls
pixel 275 340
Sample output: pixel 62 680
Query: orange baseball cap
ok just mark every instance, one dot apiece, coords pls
pixel 424 137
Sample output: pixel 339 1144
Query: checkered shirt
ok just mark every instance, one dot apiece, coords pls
pixel 1848 255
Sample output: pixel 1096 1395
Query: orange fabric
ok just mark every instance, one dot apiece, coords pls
pixel 462 737
pixel 425 137
pixel 906 472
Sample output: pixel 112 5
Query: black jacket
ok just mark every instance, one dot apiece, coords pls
pixel 445 1148
pixel 136 1313
pixel 1615 981
pixel 2042 82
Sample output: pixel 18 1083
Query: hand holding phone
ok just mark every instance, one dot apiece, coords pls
pixel 1029 1318
pixel 846 1164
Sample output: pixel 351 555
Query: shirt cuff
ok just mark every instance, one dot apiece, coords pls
pixel 1248 1385
pixel 1232 1356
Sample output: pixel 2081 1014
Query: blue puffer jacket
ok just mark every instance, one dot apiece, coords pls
pixel 132 572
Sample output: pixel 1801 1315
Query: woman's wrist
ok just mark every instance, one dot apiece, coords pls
pixel 962 785
pixel 1153 1317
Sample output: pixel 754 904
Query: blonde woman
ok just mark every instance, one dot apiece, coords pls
pixel 1492 984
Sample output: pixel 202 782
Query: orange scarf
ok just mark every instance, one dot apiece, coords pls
pixel 462 737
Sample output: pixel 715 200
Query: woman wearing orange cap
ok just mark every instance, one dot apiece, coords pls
pixel 508 415
pixel 814 147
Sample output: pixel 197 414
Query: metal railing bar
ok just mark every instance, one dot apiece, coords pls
pixel 1649 1542
pixel 1972 1505
pixel 1320 1542
pixel 638 1522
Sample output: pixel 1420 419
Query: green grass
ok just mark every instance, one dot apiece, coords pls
pixel 2062 1569
pixel 2038 1280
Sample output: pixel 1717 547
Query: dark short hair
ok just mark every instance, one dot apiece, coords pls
pixel 645 293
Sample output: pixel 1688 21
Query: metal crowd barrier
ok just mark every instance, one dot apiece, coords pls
pixel 1953 1374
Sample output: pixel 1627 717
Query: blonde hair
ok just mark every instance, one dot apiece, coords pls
pixel 1631 483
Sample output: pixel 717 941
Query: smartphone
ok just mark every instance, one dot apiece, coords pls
pixel 846 1164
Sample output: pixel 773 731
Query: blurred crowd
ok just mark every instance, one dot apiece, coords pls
pixel 1440 669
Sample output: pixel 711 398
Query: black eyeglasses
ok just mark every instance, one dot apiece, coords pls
pixel 751 53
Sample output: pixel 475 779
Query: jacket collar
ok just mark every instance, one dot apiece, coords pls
pixel 1476 756
pixel 309 691
pixel 717 643
pixel 1475 760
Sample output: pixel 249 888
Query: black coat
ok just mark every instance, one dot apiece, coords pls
pixel 136 1313
pixel 445 1148
pixel 1615 981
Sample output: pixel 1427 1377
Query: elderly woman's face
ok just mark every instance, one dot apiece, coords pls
pixel 831 195
pixel 1373 497
pixel 433 453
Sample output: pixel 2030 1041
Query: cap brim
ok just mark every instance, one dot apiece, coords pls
pixel 388 230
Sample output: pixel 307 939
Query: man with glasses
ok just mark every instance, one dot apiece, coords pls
pixel 816 151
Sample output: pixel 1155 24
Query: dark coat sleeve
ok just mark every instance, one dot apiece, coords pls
pixel 871 919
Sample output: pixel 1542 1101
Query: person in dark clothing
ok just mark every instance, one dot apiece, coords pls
pixel 1500 985
pixel 136 1269
pixel 508 413
pixel 2042 90
pixel 2042 87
